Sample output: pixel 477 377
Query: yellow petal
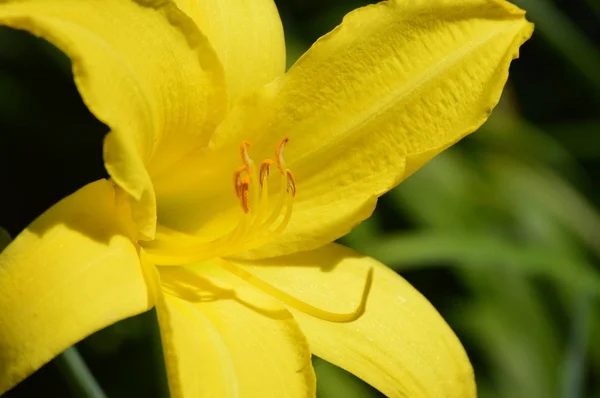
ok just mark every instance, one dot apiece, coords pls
pixel 222 338
pixel 142 68
pixel 72 272
pixel 365 107
pixel 196 358
pixel 247 36
pixel 400 345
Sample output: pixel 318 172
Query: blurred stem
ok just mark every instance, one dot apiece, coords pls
pixel 574 368
pixel 80 379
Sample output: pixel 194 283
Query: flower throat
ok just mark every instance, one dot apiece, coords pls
pixel 262 218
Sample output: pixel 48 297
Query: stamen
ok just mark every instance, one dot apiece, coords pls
pixel 242 186
pixel 291 184
pixel 297 303
pixel 279 154
pixel 190 250
pixel 279 206
pixel 265 170
pixel 244 196
pixel 244 152
pixel 237 180
pixel 252 202
pixel 264 215
pixel 263 206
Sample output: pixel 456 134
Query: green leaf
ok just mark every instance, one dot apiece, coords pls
pixel 508 320
pixel 574 365
pixel 546 191
pixel 334 382
pixel 411 251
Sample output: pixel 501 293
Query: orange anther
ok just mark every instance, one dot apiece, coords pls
pixel 238 180
pixel 291 183
pixel 244 200
pixel 265 169
pixel 244 174
pixel 279 153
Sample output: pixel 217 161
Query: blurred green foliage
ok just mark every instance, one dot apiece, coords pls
pixel 501 232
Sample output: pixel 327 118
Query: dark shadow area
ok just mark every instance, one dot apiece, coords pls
pixel 194 288
pixel 50 144
pixel 125 358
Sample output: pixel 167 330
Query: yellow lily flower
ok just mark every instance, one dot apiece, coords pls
pixel 242 271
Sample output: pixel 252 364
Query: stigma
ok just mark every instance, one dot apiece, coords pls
pixel 265 198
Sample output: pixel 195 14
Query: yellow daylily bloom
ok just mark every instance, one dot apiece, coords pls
pixel 242 271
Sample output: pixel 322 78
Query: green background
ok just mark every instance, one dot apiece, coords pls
pixel 501 232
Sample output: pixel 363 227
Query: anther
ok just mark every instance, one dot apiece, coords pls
pixel 244 200
pixel 242 186
pixel 279 154
pixel 265 167
pixel 237 180
pixel 291 184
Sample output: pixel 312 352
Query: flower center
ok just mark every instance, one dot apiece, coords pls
pixel 263 216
